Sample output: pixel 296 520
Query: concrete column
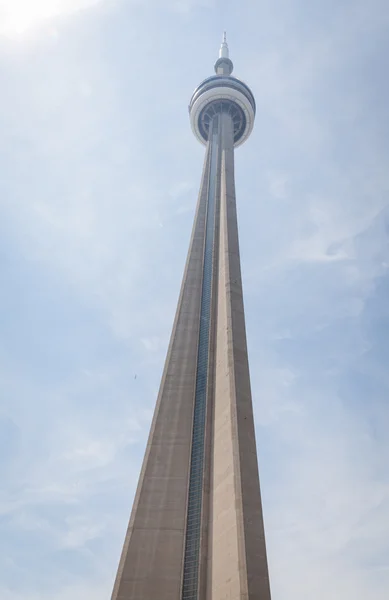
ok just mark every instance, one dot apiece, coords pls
pixel 238 564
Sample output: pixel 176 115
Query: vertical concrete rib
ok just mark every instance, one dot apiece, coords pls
pixel 237 544
pixel 151 564
pixel 195 512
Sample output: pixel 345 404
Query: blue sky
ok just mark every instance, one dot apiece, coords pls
pixel 99 178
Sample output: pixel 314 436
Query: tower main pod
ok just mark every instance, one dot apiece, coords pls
pixel 196 529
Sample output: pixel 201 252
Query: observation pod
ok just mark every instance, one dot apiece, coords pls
pixel 222 93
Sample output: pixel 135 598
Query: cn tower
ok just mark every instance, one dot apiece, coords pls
pixel 196 530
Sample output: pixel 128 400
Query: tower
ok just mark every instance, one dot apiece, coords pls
pixel 196 529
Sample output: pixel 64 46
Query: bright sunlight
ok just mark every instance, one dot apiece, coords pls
pixel 20 16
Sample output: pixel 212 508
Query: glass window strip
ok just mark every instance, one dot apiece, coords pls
pixel 193 526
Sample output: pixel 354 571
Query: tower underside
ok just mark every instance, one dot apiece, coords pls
pixel 196 529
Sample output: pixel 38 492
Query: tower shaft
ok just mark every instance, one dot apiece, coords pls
pixel 238 553
pixel 196 529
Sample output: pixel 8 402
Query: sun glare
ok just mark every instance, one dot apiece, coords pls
pixel 19 16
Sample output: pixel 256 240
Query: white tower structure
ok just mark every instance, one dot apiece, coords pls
pixel 196 530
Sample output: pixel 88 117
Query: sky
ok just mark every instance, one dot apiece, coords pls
pixel 99 180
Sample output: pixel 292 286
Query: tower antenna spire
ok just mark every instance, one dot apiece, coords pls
pixel 223 65
pixel 224 52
